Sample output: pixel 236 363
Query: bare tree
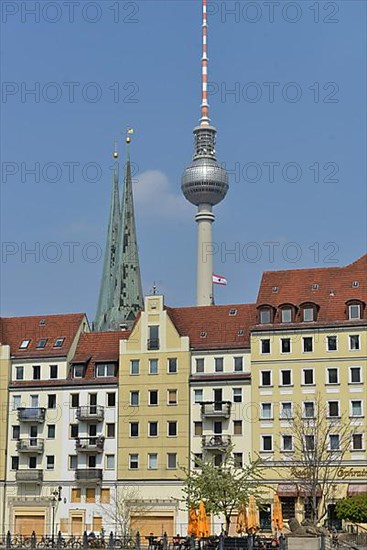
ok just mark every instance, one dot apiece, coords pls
pixel 321 439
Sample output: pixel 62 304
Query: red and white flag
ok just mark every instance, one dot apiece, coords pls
pixel 219 280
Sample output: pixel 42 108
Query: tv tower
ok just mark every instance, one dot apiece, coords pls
pixel 204 182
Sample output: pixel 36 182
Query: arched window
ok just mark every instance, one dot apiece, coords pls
pixel 287 313
pixel 308 312
pixel 355 309
pixel 266 314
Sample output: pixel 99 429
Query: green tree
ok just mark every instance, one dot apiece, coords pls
pixel 225 487
pixel 353 509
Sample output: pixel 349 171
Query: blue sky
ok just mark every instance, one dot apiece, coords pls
pixel 293 135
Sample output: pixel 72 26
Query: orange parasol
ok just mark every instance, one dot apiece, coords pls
pixel 203 527
pixel 252 516
pixel 241 525
pixel 192 528
pixel 277 515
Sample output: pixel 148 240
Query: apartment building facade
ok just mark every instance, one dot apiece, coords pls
pixel 4 381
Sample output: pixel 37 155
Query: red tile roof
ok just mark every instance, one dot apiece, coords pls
pixel 13 330
pixel 99 346
pixel 335 289
pixel 221 329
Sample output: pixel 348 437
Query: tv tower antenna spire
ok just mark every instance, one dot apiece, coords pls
pixel 204 69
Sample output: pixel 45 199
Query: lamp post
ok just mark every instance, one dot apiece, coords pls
pixel 56 497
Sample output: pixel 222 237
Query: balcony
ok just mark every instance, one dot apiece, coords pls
pixel 29 476
pixel 31 414
pixel 216 442
pixel 88 475
pixel 91 413
pixel 153 343
pixel 31 445
pixel 218 409
pixel 90 444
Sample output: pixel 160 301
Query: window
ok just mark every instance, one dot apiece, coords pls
pixel 74 399
pixel 153 366
pixel 265 316
pixel 287 443
pixel 334 442
pixel 199 365
pixel 171 461
pixel 218 459
pixel 232 312
pixel 74 430
pixel 15 432
pixel 110 430
pixel 286 377
pixel 286 315
pixel 24 344
pixel 237 460
pixel 73 462
pixel 331 343
pixel 16 402
pixel 237 427
pixel 153 341
pixel 217 427
pixel 354 342
pixel 15 462
pixel 134 366
pixel 265 345
pixel 266 411
pixel 356 408
pixel 172 397
pixel 308 377
pixel 105 496
pixel 111 400
pixel 51 401
pixel 36 372
pixel 50 462
pixel 92 461
pixel 286 410
pixel 237 395
pixel 307 344
pixel 133 461
pixel 285 345
pixel 198 428
pixel 265 378
pixel 76 495
pixel 110 462
pixel 152 461
pixel 53 371
pixel 218 364
pixel 266 443
pixel 309 409
pixel 19 373
pixel 172 365
pixel 105 369
pixel 238 364
pixel 51 431
pixel 41 343
pixel 332 376
pixel 32 462
pixel 333 409
pixel 288 507
pixel 308 314
pixel 172 428
pixel 90 495
pixel 134 398
pixel 198 458
pixel 354 311
pixel 355 375
pixel 59 342
pixel 309 442
pixel 153 397
pixel 198 396
pixel 153 429
pixel 357 442
pixel 134 429
pixel 78 371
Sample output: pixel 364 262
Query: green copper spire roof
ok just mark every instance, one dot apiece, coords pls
pixel 125 295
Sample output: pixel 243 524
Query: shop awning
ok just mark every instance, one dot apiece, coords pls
pixel 355 490
pixel 287 490
pixel 306 491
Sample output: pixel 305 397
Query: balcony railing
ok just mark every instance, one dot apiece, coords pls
pixel 219 409
pixel 90 413
pixel 90 444
pixel 31 414
pixel 88 475
pixel 31 445
pixel 216 442
pixel 29 476
pixel 153 343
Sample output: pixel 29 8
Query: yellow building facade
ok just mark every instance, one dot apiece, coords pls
pixel 4 380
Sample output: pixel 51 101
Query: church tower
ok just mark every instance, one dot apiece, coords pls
pixel 121 294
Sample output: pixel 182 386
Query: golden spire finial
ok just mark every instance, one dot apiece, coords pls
pixel 129 132
pixel 115 153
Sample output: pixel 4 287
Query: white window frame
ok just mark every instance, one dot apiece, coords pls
pixel 150 456
pixel 350 340
pixel 25 343
pixel 201 361
pixel 172 467
pixel 262 443
pixel 350 310
pixel 196 391
pixel 360 375
pixel 304 410
pixel 283 310
pixel 282 442
pixel 351 408
pixel 281 410
pixel 16 369
pixel 261 346
pixel 304 383
pixel 168 402
pixel 313 447
pixel 239 394
pixel 363 443
pixel 149 397
pixel 261 379
pixel 137 461
pixel 234 363
pixel 131 394
pixel 266 311
pixel 176 363
pixel 327 376
pixel 280 345
pixel 328 408
pixel 171 422
pixel 271 417
pixel 329 444
pixel 150 370
pixel 327 343
pixel 215 364
pixel 106 462
pixel 134 362
pixel 130 434
pixel 281 378
pixel 303 344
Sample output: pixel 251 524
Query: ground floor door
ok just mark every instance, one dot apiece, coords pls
pixel 25 525
pixel 152 524
pixel 77 525
pixel 332 521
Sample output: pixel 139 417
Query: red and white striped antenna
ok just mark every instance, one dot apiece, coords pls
pixel 204 119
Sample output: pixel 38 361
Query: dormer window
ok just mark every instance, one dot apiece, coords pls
pixel 203 334
pixel 265 315
pixel 59 342
pixel 78 371
pixel 41 343
pixel 24 344
pixel 286 315
pixel 232 312
pixel 105 369
pixel 354 311
pixel 42 322
pixel 308 314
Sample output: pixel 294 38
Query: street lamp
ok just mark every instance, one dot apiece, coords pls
pixel 56 497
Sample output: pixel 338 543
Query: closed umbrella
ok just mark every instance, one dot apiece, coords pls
pixel 252 516
pixel 277 515
pixel 241 525
pixel 203 527
pixel 192 528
